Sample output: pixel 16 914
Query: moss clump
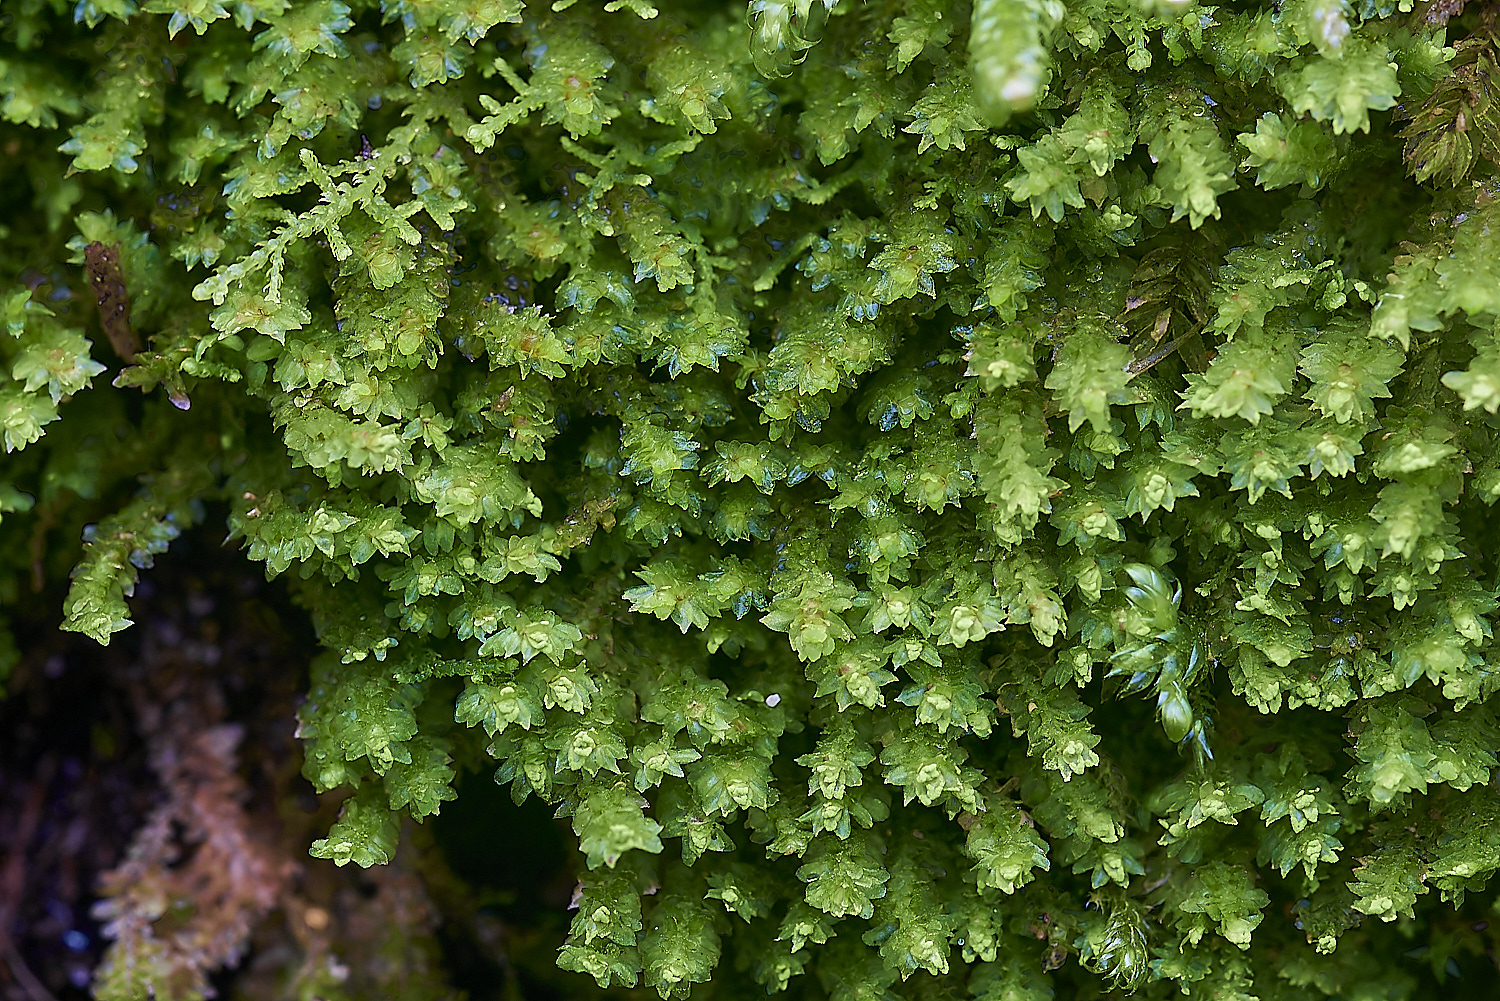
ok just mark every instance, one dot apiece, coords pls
pixel 811 446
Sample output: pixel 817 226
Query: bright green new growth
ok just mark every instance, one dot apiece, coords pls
pixel 791 441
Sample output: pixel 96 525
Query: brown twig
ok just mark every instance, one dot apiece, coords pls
pixel 103 265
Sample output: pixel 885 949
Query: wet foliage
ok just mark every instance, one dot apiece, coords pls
pixel 942 499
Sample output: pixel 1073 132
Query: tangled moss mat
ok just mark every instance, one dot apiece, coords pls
pixel 986 501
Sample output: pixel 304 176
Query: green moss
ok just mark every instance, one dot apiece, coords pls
pixel 759 410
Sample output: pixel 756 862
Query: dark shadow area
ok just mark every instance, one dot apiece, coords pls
pixel 76 774
pixel 518 865
pixel 517 857
pixel 185 725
